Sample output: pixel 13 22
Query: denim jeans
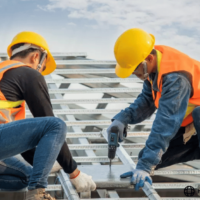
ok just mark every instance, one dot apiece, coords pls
pixel 179 152
pixel 14 174
pixel 47 134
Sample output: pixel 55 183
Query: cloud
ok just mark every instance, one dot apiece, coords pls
pixel 138 12
pixel 71 24
pixel 177 22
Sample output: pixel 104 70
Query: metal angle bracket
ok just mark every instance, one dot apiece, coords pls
pixel 68 188
pixel 125 158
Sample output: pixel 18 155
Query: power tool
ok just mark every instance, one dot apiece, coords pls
pixel 113 142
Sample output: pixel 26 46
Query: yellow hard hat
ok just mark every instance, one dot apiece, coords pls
pixel 38 40
pixel 131 48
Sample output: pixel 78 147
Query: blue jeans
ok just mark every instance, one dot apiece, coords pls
pixel 14 174
pixel 47 133
pixel 179 152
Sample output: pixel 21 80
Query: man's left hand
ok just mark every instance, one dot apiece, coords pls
pixel 138 177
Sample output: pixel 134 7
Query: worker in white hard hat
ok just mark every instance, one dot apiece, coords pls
pixel 171 85
pixel 40 140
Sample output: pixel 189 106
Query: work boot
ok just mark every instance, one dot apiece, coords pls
pixel 38 194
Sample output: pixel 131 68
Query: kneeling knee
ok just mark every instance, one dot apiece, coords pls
pixel 60 125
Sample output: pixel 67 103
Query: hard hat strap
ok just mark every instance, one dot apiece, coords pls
pixel 24 47
pixel 42 58
pixel 146 74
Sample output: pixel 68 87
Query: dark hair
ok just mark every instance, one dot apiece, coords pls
pixel 23 54
pixel 153 52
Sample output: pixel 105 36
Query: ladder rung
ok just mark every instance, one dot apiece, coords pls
pixel 95 90
pixel 103 146
pixel 100 123
pixel 177 172
pixel 172 186
pixel 85 62
pixel 69 54
pixel 80 111
pixel 99 159
pixel 92 101
pixel 85 71
pixel 56 187
pixel 99 135
pixel 95 80
pixel 57 54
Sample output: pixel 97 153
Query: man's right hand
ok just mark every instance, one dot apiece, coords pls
pixel 83 183
pixel 121 128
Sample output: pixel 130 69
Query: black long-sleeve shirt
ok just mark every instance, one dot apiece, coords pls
pixel 25 83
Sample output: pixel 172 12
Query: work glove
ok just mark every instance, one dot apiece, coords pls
pixel 56 167
pixel 121 127
pixel 189 132
pixel 138 177
pixel 83 183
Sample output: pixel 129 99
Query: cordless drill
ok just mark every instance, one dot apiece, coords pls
pixel 113 142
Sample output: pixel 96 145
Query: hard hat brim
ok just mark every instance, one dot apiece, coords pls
pixel 124 72
pixel 50 65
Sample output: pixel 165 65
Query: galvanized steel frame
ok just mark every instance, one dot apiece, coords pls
pixel 82 136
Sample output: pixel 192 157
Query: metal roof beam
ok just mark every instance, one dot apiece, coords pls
pixel 92 101
pixel 57 54
pixel 95 90
pixel 101 122
pixel 84 71
pixel 99 135
pixel 103 146
pixel 95 80
pixel 85 62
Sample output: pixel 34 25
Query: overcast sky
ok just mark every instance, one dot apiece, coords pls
pixel 93 26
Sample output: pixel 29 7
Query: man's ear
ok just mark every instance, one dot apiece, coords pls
pixel 35 57
pixel 150 58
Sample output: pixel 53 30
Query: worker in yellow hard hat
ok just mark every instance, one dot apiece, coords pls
pixel 30 40
pixel 171 85
pixel 40 140
pixel 130 52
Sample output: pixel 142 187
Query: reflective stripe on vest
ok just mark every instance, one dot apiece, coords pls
pixel 11 65
pixel 10 110
pixel 10 104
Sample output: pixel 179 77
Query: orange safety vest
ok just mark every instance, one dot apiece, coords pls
pixel 174 61
pixel 9 110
